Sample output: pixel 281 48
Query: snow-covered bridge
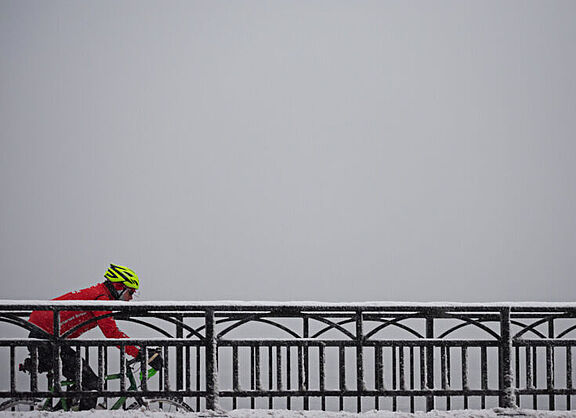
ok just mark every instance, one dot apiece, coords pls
pixel 308 355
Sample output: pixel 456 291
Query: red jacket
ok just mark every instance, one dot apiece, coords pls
pixel 70 319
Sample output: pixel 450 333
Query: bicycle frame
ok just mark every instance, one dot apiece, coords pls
pixel 133 385
pixel 115 376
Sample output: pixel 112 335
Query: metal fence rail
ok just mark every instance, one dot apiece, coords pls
pixel 313 355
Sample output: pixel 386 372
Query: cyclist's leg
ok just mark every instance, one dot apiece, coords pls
pixel 90 382
pixel 44 353
pixel 45 360
pixel 89 378
pixel 68 356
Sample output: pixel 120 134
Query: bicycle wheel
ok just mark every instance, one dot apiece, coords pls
pixel 162 405
pixel 21 405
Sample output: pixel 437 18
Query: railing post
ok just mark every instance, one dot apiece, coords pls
pixel 306 363
pixel 507 390
pixel 56 351
pixel 360 386
pixel 12 370
pixel 179 353
pixel 550 356
pixel 211 362
pixel 429 360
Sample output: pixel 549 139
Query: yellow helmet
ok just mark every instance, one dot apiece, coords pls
pixel 121 274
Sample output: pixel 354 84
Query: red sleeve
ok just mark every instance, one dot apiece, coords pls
pixel 111 330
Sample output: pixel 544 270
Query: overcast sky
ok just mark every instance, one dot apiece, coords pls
pixel 290 150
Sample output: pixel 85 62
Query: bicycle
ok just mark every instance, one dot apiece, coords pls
pixel 66 404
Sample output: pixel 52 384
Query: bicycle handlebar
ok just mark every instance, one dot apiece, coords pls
pixel 150 359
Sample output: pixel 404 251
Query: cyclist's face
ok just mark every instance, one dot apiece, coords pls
pixel 127 294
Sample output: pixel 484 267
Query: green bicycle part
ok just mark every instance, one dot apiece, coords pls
pixel 47 405
pixel 118 404
pixel 151 373
pixel 64 404
pixel 133 386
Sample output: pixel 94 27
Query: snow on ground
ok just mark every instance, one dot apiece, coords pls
pixel 278 413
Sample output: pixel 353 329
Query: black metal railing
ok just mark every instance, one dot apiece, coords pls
pixel 313 355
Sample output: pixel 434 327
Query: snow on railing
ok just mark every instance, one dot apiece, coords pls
pixel 300 355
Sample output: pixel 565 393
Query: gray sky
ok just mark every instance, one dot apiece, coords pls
pixel 303 150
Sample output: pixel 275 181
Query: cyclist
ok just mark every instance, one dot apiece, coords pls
pixel 121 283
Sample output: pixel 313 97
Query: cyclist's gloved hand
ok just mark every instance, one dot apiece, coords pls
pixel 155 359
